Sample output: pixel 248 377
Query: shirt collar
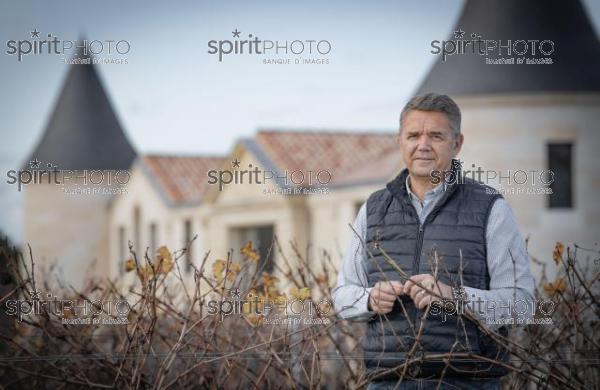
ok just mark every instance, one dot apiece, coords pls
pixel 433 192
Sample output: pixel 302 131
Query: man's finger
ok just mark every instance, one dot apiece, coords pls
pixel 376 301
pixel 394 288
pixel 415 292
pixel 411 284
pixel 407 286
pixel 386 298
pixel 385 291
pixel 378 308
pixel 419 277
pixel 420 297
pixel 389 289
pixel 386 305
pixel 397 286
pixel 412 288
pixel 414 281
pixel 382 304
pixel 424 302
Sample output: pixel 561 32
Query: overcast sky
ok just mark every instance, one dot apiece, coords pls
pixel 173 97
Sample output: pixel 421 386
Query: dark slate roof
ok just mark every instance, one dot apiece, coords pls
pixel 83 131
pixel 576 56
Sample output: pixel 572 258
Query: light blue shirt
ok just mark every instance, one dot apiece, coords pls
pixel 510 281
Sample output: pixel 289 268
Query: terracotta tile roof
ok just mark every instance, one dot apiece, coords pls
pixel 337 152
pixel 378 171
pixel 182 179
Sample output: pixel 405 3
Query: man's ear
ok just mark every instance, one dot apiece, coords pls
pixel 458 143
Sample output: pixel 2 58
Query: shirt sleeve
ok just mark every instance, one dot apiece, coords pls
pixel 351 293
pixel 511 281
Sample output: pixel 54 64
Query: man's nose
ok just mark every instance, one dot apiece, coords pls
pixel 424 143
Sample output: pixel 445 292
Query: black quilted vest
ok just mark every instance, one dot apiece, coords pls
pixel 456 225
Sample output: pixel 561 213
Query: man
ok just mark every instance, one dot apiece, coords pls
pixel 420 243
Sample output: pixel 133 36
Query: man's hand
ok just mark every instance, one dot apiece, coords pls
pixel 383 295
pixel 420 296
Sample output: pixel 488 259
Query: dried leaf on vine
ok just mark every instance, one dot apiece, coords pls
pixel 164 258
pixel 557 253
pixel 129 265
pixel 552 288
pixel 249 253
pixel 302 293
pixel 217 268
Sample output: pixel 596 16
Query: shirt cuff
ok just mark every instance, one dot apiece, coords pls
pixel 359 310
pixel 363 313
pixel 365 300
pixel 477 299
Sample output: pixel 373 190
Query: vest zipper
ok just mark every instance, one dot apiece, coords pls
pixel 418 248
pixel 416 263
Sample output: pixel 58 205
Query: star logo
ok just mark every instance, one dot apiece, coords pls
pixel 35 33
pixel 235 163
pixel 235 293
pixel 236 33
pixel 458 34
pixel 459 293
pixel 34 163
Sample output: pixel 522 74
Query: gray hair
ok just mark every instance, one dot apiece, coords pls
pixel 438 103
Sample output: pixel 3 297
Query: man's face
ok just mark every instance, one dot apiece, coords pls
pixel 427 143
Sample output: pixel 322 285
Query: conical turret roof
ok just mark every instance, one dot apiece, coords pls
pixel 576 56
pixel 83 131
